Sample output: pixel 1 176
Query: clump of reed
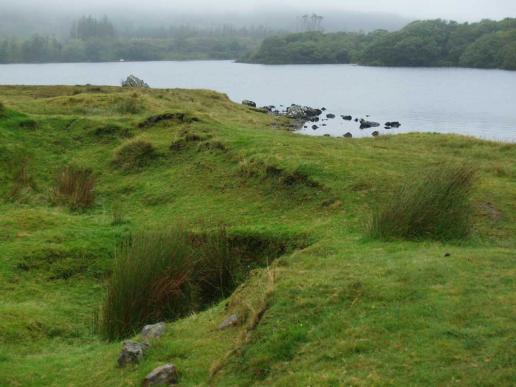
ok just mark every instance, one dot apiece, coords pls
pixel 75 188
pixel 434 204
pixel 168 273
pixel 23 181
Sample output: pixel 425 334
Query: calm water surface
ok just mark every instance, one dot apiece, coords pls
pixel 481 103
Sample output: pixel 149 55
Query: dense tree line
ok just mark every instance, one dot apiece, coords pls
pixel 93 40
pixel 487 44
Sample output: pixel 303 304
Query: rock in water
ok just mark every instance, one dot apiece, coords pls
pixel 154 331
pixel 132 353
pixel 246 102
pixel 368 124
pixel 164 375
pixel 393 124
pixel 331 116
pixel 348 135
pixel 375 133
pixel 302 112
pixel 133 81
pixel 347 118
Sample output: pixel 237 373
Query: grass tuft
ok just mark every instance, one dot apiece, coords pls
pixel 75 188
pixel 129 105
pixel 150 282
pixel 134 154
pixel 167 274
pixel 118 214
pixel 23 182
pixel 435 205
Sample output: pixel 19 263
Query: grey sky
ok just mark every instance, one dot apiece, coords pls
pixel 448 9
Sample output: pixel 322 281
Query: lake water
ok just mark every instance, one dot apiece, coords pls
pixel 481 103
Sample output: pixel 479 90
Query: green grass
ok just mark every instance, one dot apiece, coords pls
pixel 337 308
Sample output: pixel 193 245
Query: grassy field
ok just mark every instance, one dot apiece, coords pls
pixel 341 309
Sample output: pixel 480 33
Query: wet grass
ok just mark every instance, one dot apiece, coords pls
pixel 344 309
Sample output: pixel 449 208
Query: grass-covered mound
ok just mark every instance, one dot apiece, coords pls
pixel 341 309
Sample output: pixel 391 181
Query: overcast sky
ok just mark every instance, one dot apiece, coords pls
pixel 448 9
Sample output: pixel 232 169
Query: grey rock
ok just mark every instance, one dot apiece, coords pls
pixel 302 112
pixel 330 116
pixel 375 133
pixel 347 118
pixel 164 375
pixel 315 127
pixel 246 102
pixel 154 331
pixel 132 353
pixel 327 135
pixel 135 82
pixel 393 124
pixel 231 321
pixel 368 124
pixel 348 135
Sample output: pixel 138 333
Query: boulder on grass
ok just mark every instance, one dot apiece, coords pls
pixel 154 331
pixel 246 102
pixel 135 82
pixel 161 376
pixel 231 321
pixel 132 353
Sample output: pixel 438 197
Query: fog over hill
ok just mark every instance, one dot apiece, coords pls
pixel 17 22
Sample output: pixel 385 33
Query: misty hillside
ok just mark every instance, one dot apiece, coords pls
pixel 16 22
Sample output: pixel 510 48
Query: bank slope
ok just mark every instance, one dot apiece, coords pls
pixel 339 309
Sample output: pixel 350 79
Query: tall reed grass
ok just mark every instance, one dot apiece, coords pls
pixel 75 188
pixel 151 280
pixel 434 204
pixel 168 273
pixel 23 182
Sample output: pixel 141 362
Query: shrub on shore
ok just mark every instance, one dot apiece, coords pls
pixel 75 188
pixel 433 205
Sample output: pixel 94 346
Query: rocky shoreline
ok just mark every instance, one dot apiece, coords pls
pixel 307 116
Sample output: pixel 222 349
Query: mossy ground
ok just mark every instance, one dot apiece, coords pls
pixel 345 310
